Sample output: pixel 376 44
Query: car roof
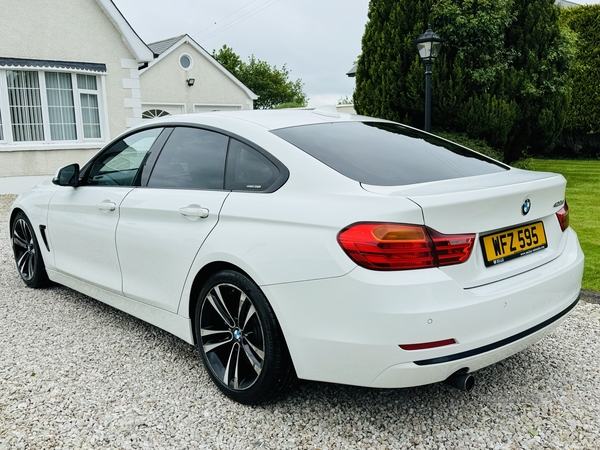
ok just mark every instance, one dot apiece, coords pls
pixel 269 119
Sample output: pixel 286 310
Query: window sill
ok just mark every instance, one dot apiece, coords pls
pixel 36 146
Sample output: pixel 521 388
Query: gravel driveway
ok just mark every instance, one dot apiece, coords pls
pixel 75 373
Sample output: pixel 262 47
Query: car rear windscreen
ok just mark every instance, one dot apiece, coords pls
pixel 387 154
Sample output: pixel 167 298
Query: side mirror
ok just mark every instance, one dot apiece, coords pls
pixel 67 176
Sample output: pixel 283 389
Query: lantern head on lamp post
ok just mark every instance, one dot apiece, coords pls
pixel 428 45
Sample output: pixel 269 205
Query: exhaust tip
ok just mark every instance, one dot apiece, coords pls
pixel 460 380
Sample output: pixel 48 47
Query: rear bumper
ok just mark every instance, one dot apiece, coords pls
pixel 348 329
pixel 545 325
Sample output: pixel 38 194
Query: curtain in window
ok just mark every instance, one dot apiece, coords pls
pixel 25 105
pixel 87 82
pixel 1 133
pixel 89 106
pixel 90 116
pixel 61 108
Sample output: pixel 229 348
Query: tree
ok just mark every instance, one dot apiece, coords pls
pixel 581 134
pixel 272 85
pixel 229 59
pixel 289 105
pixel 344 101
pixel 388 67
pixel 538 79
pixel 502 75
pixel 469 88
pixel 584 113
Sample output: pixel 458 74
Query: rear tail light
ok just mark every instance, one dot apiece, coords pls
pixel 391 246
pixel 452 249
pixel 563 217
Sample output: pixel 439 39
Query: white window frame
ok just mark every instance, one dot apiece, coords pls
pixel 2 133
pixel 45 107
pixel 4 108
pixel 191 66
pixel 8 143
pixel 181 107
pixel 79 119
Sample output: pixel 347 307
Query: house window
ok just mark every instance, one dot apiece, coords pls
pixel 61 107
pixel 48 107
pixel 186 62
pixel 89 105
pixel 25 105
pixel 154 113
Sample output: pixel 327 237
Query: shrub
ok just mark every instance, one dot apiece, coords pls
pixel 502 76
pixel 581 134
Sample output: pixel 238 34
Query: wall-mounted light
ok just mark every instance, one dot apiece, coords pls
pixel 190 81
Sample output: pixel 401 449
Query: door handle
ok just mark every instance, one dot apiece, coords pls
pixel 194 212
pixel 106 206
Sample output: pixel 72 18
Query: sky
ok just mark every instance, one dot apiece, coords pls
pixel 317 40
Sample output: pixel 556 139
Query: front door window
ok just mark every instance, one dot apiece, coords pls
pixel 118 165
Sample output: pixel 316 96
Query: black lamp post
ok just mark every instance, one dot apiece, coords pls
pixel 428 45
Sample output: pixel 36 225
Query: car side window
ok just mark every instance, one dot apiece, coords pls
pixel 248 169
pixel 192 158
pixel 118 165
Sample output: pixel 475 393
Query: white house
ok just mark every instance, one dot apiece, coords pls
pixel 185 78
pixel 74 74
pixel 69 81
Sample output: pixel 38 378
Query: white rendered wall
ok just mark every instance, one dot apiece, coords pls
pixel 69 30
pixel 165 82
pixel 41 162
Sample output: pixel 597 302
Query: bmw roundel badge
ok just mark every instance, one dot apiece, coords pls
pixel 526 207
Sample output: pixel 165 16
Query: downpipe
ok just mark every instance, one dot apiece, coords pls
pixel 460 380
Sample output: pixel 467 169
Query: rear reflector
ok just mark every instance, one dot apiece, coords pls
pixel 392 246
pixel 426 345
pixel 563 217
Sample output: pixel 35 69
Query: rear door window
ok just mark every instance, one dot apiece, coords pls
pixel 387 154
pixel 192 158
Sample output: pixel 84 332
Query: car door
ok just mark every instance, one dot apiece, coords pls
pixel 82 220
pixel 163 225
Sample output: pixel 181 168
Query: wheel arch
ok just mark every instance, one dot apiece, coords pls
pixel 37 230
pixel 39 277
pixel 13 214
pixel 281 373
pixel 199 280
pixel 204 274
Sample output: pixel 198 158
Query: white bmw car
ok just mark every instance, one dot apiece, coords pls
pixel 309 244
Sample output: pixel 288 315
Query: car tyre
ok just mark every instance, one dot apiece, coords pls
pixel 27 252
pixel 240 340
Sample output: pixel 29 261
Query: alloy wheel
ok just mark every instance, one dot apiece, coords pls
pixel 232 336
pixel 24 249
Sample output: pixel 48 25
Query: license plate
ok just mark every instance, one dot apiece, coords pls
pixel 513 243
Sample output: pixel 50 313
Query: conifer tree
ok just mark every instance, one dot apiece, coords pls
pixel 583 116
pixel 502 75
pixel 388 75
pixel 538 78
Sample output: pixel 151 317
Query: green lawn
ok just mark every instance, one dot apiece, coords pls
pixel 583 197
